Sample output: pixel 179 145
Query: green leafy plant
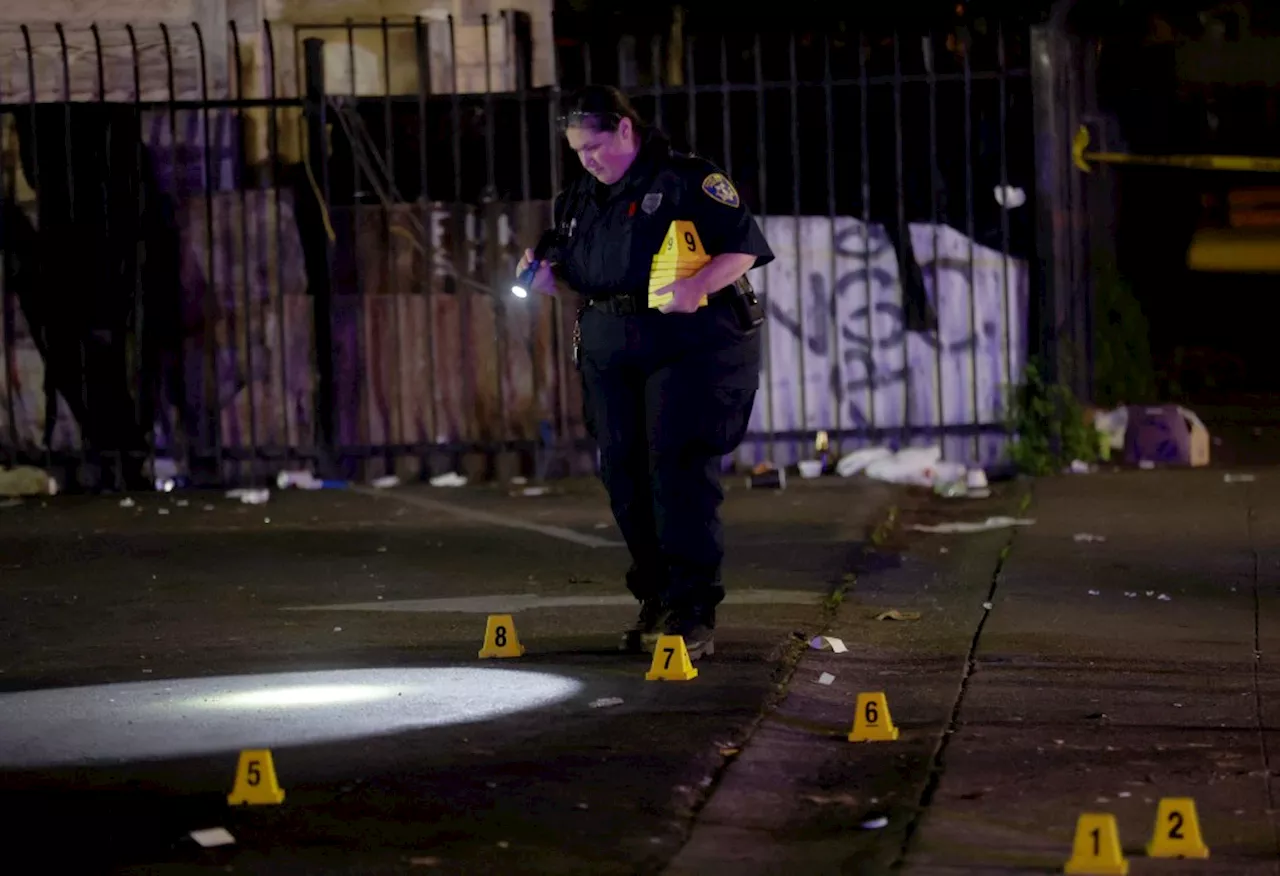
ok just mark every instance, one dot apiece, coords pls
pixel 1124 370
pixel 1048 426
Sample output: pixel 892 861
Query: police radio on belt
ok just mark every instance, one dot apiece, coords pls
pixel 547 244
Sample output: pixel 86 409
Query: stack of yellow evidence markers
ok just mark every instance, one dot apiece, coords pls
pixel 680 256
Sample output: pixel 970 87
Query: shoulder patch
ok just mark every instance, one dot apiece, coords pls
pixel 718 188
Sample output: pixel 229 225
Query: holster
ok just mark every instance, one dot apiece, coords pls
pixel 747 306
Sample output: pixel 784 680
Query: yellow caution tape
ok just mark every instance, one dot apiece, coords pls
pixel 1192 162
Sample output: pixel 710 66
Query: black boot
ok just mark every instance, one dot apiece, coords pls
pixel 642 635
pixel 696 628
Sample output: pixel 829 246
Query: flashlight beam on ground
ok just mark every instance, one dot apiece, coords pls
pixel 153 720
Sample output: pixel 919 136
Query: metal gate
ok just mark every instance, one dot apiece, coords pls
pixel 296 249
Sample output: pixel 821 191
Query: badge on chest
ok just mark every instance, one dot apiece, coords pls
pixel 681 255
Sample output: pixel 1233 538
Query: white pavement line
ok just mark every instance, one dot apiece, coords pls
pixel 512 603
pixel 560 532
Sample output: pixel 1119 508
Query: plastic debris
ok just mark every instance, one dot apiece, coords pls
pixel 857 461
pixel 213 837
pixel 250 496
pixel 302 480
pixel 605 702
pixel 386 482
pixel 1010 197
pixel 894 614
pixel 875 823
pixel 1238 478
pixel 1079 466
pixel 533 492
pixel 1089 538
pixel 451 479
pixel 820 643
pixel 1095 592
pixel 988 605
pixel 126 502
pixel 961 527
pixel 916 466
pixel 826 678
pixel 1164 597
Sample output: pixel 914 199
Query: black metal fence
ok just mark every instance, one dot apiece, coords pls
pixel 294 249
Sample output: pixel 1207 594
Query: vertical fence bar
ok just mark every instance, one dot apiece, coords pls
pixel 145 406
pixel 39 191
pixel 458 223
pixel 904 232
pixel 586 63
pixel 655 65
pixel 864 172
pixel 87 444
pixel 725 113
pixel 351 123
pixel 762 176
pixel 277 173
pixel 971 232
pixel 212 411
pixel 691 94
pixel 317 102
pixel 423 47
pixel 489 203
pixel 1003 80
pixel 793 92
pixel 245 275
pixel 936 220
pixel 8 201
pixel 104 174
pixel 557 306
pixel 537 379
pixel 188 421
pixel 396 420
pixel 836 381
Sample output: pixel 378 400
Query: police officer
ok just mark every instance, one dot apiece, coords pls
pixel 667 389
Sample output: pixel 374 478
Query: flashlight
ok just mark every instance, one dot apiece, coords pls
pixel 524 282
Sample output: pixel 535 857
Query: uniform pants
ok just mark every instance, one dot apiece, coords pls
pixel 665 396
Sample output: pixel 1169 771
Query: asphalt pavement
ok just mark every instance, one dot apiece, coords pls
pixel 1116 648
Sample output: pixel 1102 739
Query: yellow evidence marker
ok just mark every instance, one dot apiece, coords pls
pixel 671 661
pixel 1096 850
pixel 256 780
pixel 871 720
pixel 681 255
pixel 500 639
pixel 1177 830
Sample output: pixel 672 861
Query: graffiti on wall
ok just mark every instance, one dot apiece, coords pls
pixel 840 356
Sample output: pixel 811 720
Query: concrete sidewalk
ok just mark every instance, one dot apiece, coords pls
pixel 1051 673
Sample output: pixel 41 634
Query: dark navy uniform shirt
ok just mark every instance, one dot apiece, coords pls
pixel 612 232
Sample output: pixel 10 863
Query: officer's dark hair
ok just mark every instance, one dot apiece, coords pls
pixel 601 108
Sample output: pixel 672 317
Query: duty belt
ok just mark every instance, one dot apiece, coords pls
pixel 630 305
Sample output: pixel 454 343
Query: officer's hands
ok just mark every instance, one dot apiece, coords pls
pixel 543 281
pixel 686 295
